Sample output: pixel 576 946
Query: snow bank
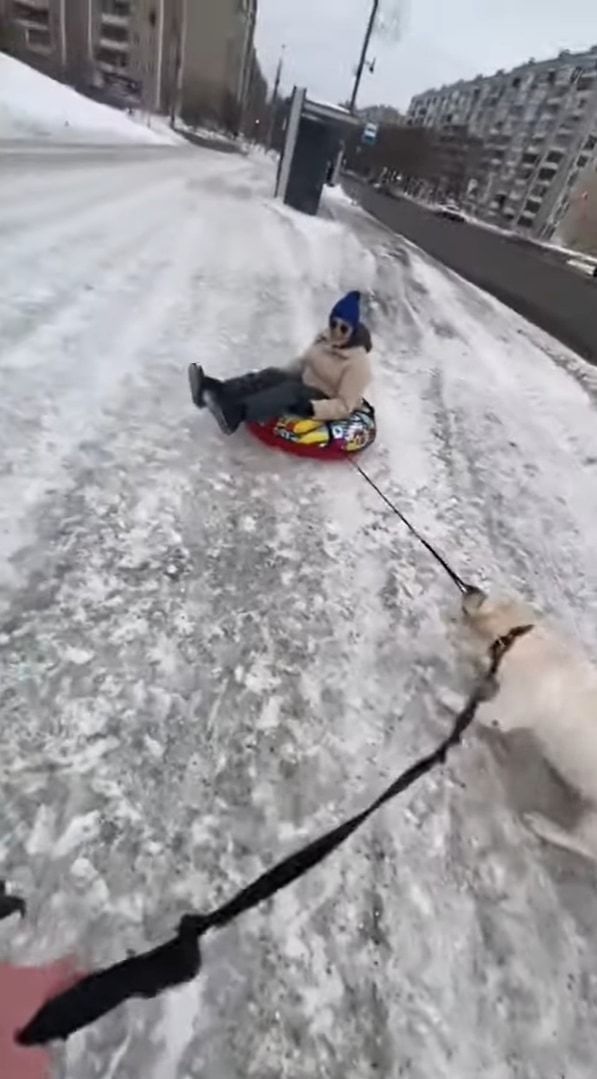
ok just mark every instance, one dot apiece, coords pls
pixel 338 194
pixel 33 106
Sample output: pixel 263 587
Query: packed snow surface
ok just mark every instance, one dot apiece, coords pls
pixel 211 651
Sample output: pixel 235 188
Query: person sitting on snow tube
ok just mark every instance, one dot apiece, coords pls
pixel 326 383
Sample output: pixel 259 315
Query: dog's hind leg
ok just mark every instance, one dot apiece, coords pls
pixel 582 839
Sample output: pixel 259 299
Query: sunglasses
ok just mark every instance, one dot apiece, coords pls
pixel 338 324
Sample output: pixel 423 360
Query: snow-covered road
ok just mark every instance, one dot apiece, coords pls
pixel 210 651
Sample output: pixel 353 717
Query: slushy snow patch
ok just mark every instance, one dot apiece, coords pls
pixel 33 106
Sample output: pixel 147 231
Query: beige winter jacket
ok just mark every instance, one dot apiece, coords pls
pixel 343 374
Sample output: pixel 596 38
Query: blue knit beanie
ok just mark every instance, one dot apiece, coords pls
pixel 348 309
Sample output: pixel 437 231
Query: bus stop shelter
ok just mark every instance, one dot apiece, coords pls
pixel 315 134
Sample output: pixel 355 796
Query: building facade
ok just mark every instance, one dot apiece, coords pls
pixel 128 50
pixel 35 31
pixel 217 57
pixel 578 226
pixel 154 54
pixel 538 127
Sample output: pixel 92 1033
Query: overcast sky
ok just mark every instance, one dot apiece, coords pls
pixel 442 40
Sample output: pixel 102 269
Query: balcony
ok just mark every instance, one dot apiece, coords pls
pixel 120 8
pixel 114 48
pixel 112 60
pixel 39 40
pixel 111 19
pixel 31 16
pixel 40 6
pixel 107 44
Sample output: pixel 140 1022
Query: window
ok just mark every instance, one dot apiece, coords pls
pixel 117 7
pixel 586 82
pixel 546 173
pixel 39 40
pixel 554 156
pixel 590 143
pixel 582 160
pixel 525 221
pixel 531 206
pixel 530 158
pixel 113 32
pixel 31 14
pixel 112 58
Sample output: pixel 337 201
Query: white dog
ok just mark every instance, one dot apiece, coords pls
pixel 548 688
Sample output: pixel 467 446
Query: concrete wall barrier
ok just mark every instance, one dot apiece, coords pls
pixel 530 279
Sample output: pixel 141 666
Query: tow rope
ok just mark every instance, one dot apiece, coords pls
pixel 179 960
pixel 465 588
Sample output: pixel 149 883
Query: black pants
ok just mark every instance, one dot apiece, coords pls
pixel 268 393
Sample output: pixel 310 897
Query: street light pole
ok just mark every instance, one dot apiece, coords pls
pixel 363 59
pixel 179 30
pixel 274 104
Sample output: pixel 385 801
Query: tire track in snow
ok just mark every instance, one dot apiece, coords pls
pixel 45 286
pixel 56 244
pixel 63 357
pixel 66 790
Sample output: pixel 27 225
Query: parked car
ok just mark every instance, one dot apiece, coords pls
pixel 451 211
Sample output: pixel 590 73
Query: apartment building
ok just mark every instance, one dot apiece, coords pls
pixel 538 126
pixel 35 31
pixel 578 226
pixel 217 58
pixel 119 49
pixel 129 50
pixel 148 53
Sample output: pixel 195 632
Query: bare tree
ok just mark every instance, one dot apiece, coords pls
pixel 390 21
pixel 407 151
pixel 442 162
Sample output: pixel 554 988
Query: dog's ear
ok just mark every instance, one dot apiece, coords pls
pixel 473 600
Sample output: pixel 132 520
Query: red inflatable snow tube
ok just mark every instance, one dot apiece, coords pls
pixel 331 441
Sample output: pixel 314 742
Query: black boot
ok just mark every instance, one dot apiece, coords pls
pixel 225 409
pixel 197 384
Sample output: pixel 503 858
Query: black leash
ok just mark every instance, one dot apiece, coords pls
pixel 465 588
pixel 10 904
pixel 179 960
